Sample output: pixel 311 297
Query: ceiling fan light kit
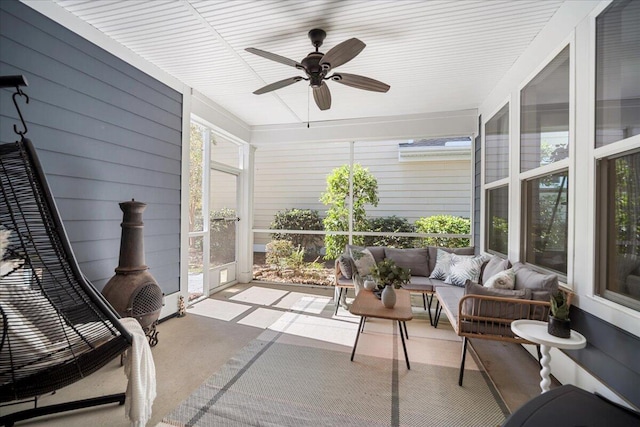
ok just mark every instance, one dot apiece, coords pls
pixel 317 66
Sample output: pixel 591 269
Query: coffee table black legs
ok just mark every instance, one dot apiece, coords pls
pixel 355 344
pixel 404 346
pixel 403 331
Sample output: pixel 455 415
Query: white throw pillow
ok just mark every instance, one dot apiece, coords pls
pixel 502 280
pixel 363 260
pixel 443 265
pixel 463 268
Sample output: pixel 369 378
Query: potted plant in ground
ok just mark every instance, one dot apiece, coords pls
pixel 559 323
pixel 389 275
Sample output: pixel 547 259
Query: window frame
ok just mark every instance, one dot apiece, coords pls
pixel 610 151
pixel 551 168
pixel 487 218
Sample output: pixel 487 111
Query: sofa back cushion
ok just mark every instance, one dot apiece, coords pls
pixel 363 260
pixel 493 267
pixel 433 254
pixel 541 285
pixel 376 251
pixel 417 260
pixel 498 309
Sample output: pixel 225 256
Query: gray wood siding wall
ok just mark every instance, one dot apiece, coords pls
pixel 105 133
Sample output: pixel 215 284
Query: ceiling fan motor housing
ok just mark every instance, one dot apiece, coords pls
pixel 312 66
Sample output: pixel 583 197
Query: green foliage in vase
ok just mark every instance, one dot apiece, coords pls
pixel 559 305
pixel 387 272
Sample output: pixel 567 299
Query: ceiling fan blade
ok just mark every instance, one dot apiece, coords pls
pixel 360 82
pixel 277 85
pixel 322 96
pixel 342 53
pixel 274 57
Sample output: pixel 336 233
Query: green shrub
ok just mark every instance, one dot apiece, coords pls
pixel 281 255
pixel 391 224
pixel 298 219
pixel 445 224
pixel 278 251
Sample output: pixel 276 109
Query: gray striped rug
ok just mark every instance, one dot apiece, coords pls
pixel 274 384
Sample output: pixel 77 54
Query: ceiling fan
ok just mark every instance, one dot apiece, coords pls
pixel 317 65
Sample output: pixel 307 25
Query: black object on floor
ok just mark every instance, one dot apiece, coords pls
pixel 569 405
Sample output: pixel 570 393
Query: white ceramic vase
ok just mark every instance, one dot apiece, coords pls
pixel 388 296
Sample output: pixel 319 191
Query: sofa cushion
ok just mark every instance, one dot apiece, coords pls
pixel 503 310
pixel 416 260
pixel 502 280
pixel 449 297
pixel 433 253
pixel 442 266
pixel 463 268
pixel 363 260
pixel 494 266
pixel 419 284
pixel 541 285
pixel 344 261
pixel 376 251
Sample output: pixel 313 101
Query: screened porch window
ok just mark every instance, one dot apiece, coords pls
pixel 498 220
pixel 617 154
pixel 618 72
pixel 619 227
pixel 546 216
pixel 496 143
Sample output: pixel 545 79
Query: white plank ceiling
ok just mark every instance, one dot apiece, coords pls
pixel 436 55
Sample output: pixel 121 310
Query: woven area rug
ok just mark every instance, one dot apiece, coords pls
pixel 275 384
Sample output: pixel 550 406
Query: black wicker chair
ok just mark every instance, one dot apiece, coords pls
pixel 56 327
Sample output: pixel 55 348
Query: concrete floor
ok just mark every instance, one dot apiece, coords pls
pixel 193 347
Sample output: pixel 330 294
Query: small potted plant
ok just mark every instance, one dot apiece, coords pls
pixel 559 323
pixel 389 275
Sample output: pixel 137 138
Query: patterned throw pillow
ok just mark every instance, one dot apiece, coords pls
pixel 443 265
pixel 363 260
pixel 463 268
pixel 502 280
pixel 345 266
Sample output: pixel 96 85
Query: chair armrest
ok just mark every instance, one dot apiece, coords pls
pixel 491 316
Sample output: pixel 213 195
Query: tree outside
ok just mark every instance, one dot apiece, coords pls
pixel 337 196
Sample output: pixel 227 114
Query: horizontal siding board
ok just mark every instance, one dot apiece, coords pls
pixel 71 188
pixel 44 119
pixel 75 85
pixel 80 168
pixel 105 132
pixel 76 121
pixel 97 210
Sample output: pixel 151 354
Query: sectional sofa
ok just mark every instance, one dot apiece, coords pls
pixel 480 295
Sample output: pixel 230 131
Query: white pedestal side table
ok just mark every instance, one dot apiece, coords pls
pixel 536 331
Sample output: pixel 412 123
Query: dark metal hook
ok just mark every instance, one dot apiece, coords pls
pixel 19 92
pixel 16 82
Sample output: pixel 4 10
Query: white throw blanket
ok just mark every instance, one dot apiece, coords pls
pixel 141 372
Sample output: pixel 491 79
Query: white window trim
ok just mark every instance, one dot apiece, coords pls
pixel 564 164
